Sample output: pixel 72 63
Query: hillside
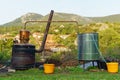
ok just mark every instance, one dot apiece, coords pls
pixel 63 16
pixel 69 17
pixel 21 20
pixel 57 16
pixel 110 18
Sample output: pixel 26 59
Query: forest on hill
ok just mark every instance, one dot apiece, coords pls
pixel 65 34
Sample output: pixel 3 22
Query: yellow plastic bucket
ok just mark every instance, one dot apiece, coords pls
pixel 112 67
pixel 49 68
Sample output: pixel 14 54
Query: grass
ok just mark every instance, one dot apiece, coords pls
pixel 69 73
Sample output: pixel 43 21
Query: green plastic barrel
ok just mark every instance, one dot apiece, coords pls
pixel 88 46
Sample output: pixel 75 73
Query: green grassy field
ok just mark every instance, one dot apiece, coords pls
pixel 72 73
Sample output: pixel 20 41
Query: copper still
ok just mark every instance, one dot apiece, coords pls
pixel 23 53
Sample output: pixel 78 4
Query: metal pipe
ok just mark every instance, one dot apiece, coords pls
pixel 47 29
pixel 46 32
pixel 25 25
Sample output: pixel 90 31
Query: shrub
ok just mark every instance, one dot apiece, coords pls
pixel 4 56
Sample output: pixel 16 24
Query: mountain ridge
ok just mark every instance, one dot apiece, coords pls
pixel 109 18
pixel 62 16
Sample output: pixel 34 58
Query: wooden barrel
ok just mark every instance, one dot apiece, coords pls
pixel 23 56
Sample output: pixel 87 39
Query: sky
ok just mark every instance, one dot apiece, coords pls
pixel 12 9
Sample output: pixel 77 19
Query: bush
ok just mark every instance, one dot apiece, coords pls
pixel 112 54
pixel 4 56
